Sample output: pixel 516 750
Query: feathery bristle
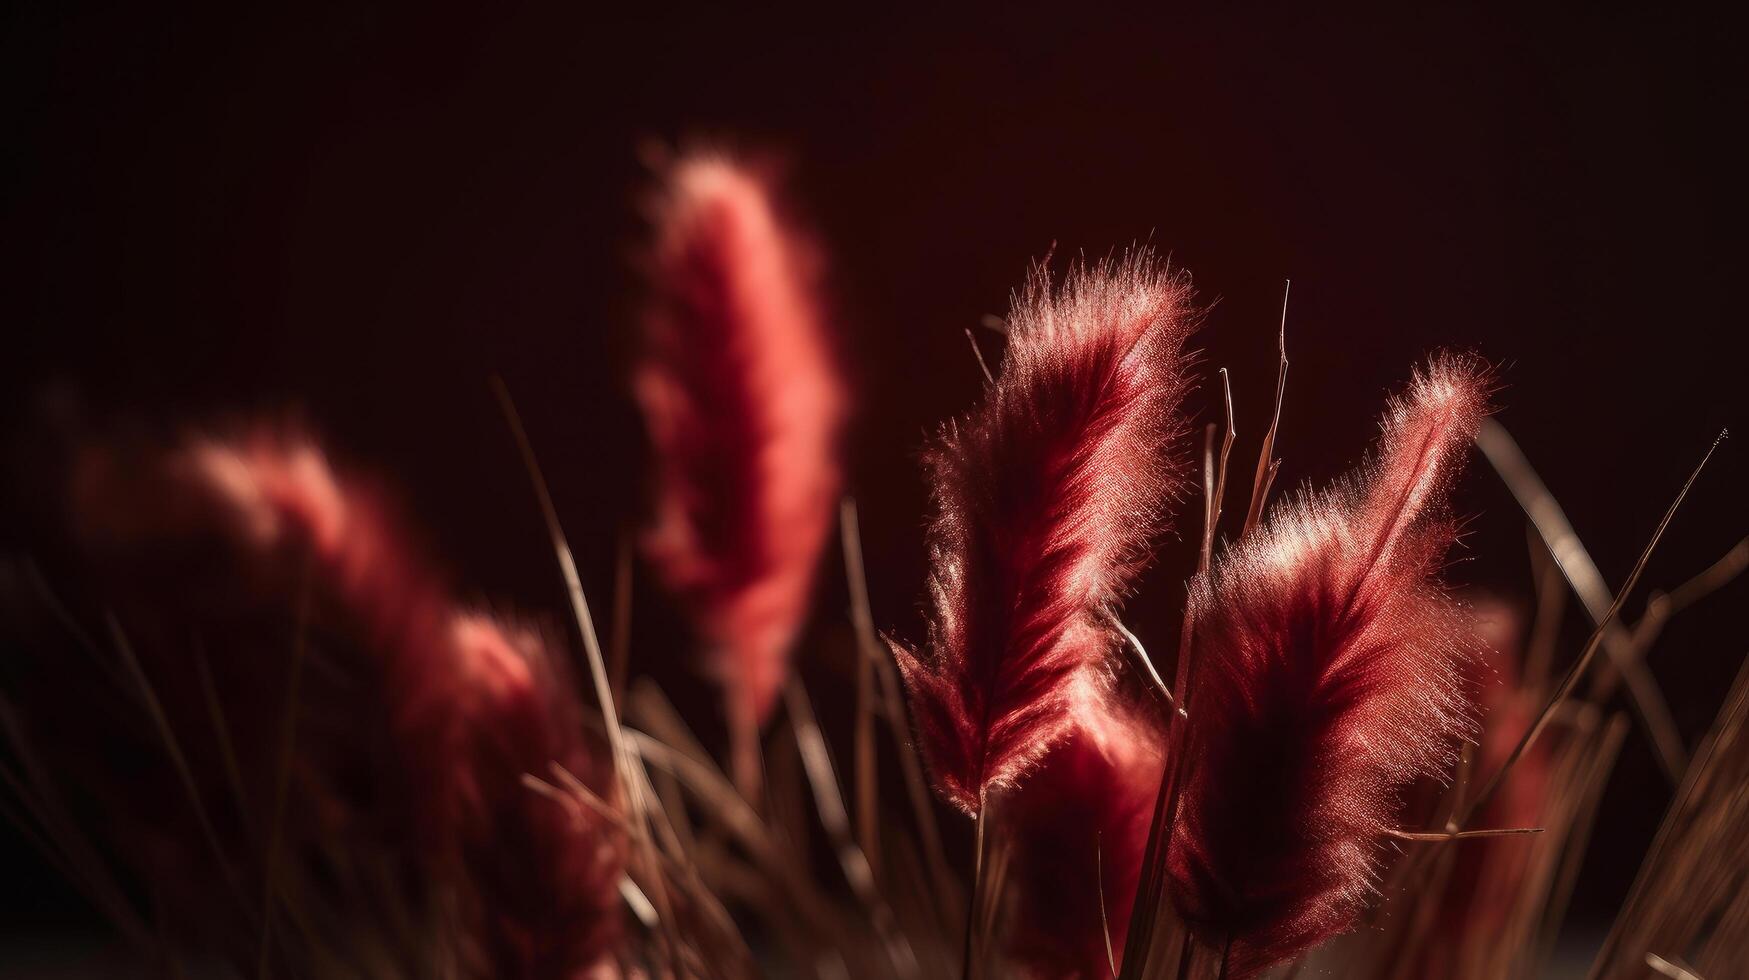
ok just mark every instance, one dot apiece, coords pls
pixel 743 404
pixel 1045 497
pixel 1079 826
pixel 414 724
pixel 1327 678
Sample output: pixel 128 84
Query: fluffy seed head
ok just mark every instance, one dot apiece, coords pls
pixel 413 726
pixel 1327 678
pixel 743 404
pixel 1045 497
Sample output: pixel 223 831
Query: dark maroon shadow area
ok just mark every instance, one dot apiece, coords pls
pixel 363 216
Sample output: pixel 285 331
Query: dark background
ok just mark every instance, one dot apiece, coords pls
pixel 361 216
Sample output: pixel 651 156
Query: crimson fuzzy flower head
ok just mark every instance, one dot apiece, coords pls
pixel 1045 496
pixel 413 720
pixel 1328 676
pixel 743 402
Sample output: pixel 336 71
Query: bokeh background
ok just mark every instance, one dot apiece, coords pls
pixel 359 216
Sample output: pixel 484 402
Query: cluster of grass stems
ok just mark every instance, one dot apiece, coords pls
pixel 705 867
pixel 795 857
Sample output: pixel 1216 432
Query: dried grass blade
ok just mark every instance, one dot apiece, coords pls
pixel 978 352
pixel 892 699
pixel 1551 603
pixel 862 618
pixel 1578 834
pixel 1104 920
pixel 1550 521
pixel 616 740
pixel 1150 910
pixel 619 640
pixel 1666 968
pixel 1662 607
pixel 1685 868
pixel 735 816
pixel 1266 464
pixel 1578 668
pixel 829 805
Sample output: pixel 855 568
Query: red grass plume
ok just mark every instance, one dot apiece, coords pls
pixel 1045 498
pixel 1078 830
pixel 414 723
pixel 1327 677
pixel 743 404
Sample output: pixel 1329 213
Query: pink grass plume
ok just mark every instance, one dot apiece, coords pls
pixel 416 720
pixel 1328 677
pixel 743 403
pixel 1045 498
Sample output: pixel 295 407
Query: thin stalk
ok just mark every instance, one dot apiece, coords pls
pixel 732 814
pixel 893 707
pixel 1508 460
pixel 1211 505
pixel 1104 922
pixel 978 353
pixel 1730 717
pixel 1668 969
pixel 1578 835
pixel 573 584
pixel 1150 890
pixel 1571 680
pixel 1186 953
pixel 1551 603
pixel 1716 576
pixel 1219 492
pixel 619 640
pixel 1266 465
pixel 1140 654
pixel 829 806
pixel 974 902
pixel 1663 606
pixel 866 773
pixel 746 755
pixel 616 740
pixel 1461 834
